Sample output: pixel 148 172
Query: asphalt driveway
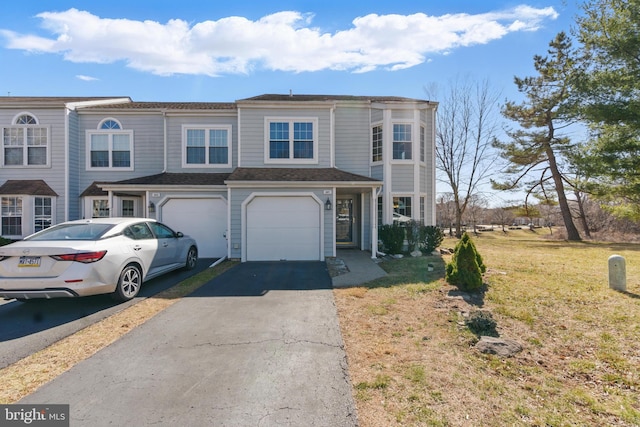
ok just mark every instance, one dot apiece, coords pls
pixel 259 345
pixel 26 328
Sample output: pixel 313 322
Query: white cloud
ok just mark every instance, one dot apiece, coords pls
pixel 283 41
pixel 86 78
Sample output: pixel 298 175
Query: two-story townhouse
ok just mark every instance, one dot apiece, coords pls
pixel 266 178
pixel 36 164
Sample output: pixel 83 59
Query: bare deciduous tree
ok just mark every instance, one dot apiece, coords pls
pixel 467 123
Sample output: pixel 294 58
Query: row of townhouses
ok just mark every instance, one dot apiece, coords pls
pixel 273 177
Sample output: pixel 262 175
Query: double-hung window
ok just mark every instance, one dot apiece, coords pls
pixel 206 146
pixel 110 147
pixel 376 144
pixel 423 143
pixel 402 142
pixel 11 216
pixel 42 213
pixel 291 140
pixel 25 143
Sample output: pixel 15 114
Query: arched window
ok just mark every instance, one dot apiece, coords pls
pixel 26 119
pixel 109 146
pixel 107 124
pixel 25 143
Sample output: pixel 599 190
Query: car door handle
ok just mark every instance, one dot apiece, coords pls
pixel 165 244
pixel 137 248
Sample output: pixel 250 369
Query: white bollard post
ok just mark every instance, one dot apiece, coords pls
pixel 617 273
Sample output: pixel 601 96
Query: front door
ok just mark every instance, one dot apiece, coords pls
pixel 344 221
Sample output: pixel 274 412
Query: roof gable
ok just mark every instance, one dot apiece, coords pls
pixel 32 187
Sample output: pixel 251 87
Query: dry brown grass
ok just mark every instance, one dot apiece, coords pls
pixel 30 373
pixel 412 361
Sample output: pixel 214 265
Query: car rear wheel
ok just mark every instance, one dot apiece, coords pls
pixel 192 258
pixel 129 283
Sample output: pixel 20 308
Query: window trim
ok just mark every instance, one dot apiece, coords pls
pixel 207 128
pixel 36 217
pixel 404 196
pixel 110 133
pixel 90 206
pixel 291 120
pixel 423 143
pixel 373 126
pixel 25 146
pixel 21 199
pixel 412 143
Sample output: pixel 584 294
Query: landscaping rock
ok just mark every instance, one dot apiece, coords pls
pixel 498 346
pixel 416 254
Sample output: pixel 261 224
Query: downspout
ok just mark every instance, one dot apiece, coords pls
pixel 415 214
pixel 332 141
pixel 375 194
pixel 165 142
pixel 433 166
pixel 67 177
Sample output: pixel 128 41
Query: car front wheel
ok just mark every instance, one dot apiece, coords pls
pixel 192 258
pixel 128 284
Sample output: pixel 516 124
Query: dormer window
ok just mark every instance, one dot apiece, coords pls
pixel 25 142
pixel 109 146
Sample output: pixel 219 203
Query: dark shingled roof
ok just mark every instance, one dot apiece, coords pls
pixel 182 106
pixel 94 190
pixel 297 174
pixel 308 98
pixel 34 187
pixel 168 178
pixel 59 101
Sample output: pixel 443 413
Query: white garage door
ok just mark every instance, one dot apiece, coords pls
pixel 283 228
pixel 203 219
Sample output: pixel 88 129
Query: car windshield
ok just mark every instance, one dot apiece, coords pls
pixel 84 231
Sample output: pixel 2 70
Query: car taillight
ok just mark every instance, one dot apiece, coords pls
pixel 84 257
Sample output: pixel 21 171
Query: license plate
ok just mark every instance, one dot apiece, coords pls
pixel 29 261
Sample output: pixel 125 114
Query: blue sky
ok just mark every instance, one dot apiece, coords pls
pixel 222 51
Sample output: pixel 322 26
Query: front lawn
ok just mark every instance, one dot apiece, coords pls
pixel 412 359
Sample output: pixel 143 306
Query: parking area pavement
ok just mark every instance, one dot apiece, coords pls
pixel 28 327
pixel 258 345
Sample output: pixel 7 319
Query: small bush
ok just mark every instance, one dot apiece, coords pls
pixel 431 237
pixel 392 237
pixel 481 323
pixel 466 266
pixel 5 241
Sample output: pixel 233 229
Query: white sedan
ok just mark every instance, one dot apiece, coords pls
pixel 94 256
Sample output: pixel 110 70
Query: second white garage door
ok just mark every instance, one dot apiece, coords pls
pixel 204 219
pixel 283 228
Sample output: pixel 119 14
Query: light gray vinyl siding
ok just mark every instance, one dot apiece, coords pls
pixel 148 147
pixel 377 172
pixel 175 141
pixel 376 115
pixel 238 196
pixel 54 120
pixel 252 135
pixel 74 205
pixel 366 221
pixel 353 140
pixel 402 178
pixel 402 115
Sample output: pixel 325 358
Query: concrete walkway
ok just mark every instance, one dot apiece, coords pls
pixel 259 345
pixel 359 266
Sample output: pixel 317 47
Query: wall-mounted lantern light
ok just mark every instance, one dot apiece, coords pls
pixel 152 207
pixel 327 204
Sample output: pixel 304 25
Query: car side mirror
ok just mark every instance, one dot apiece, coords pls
pixel 179 234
